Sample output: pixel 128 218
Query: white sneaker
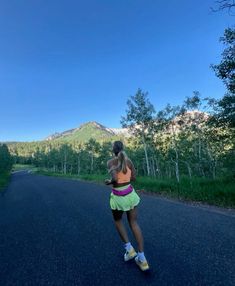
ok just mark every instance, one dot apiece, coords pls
pixel 143 265
pixel 130 254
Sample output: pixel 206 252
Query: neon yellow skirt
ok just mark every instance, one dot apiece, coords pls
pixel 124 203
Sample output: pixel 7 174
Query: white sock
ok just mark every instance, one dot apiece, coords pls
pixel 128 246
pixel 141 256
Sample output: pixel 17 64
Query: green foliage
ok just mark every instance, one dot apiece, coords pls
pixel 226 116
pixel 219 192
pixel 4 179
pixel 139 119
pixel 225 70
pixel 139 113
pixel 5 159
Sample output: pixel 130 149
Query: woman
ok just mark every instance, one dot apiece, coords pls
pixel 124 199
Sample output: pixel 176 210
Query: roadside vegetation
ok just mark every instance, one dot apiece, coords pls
pixel 219 192
pixel 4 179
pixel 22 167
pixel 5 165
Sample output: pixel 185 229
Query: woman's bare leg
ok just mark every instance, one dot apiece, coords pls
pixel 132 219
pixel 117 215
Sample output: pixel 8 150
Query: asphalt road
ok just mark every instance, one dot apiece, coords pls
pixel 56 231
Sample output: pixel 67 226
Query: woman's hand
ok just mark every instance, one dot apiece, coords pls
pixel 107 181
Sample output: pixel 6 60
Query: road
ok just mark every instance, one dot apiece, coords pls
pixel 56 231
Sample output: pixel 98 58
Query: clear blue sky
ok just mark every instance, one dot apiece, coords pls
pixel 63 63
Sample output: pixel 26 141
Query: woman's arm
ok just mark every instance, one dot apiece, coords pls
pixel 132 168
pixel 112 173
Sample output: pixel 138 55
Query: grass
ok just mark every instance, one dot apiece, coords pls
pixel 87 177
pixel 5 177
pixel 20 167
pixel 219 192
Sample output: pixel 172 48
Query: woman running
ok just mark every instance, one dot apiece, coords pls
pixel 124 199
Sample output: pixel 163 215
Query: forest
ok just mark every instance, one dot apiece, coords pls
pixel 176 142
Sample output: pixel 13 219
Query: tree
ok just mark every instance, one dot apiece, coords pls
pixel 227 110
pixel 224 5
pixel 166 119
pixel 138 119
pixel 225 70
pixel 92 146
pixel 5 159
pixel 66 155
pixel 105 154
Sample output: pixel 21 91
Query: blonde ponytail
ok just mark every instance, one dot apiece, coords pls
pixel 122 164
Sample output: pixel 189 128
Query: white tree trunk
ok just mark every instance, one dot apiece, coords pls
pixel 176 163
pixel 92 162
pixel 153 167
pixel 189 170
pixel 146 155
pixel 79 166
pixel 177 171
pixel 212 163
pixel 65 162
pixel 176 156
pixel 158 169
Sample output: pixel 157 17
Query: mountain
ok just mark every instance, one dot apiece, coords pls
pixel 87 131
pixel 98 131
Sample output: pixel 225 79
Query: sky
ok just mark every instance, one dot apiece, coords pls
pixel 64 63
